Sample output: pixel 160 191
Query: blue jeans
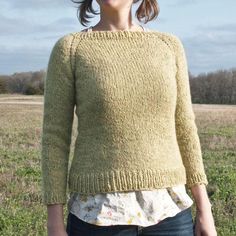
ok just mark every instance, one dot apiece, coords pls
pixel 179 225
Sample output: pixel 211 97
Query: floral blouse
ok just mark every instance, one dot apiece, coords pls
pixel 144 207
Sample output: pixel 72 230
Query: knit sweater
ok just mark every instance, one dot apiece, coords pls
pixel 136 126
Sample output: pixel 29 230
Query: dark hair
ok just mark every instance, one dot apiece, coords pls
pixel 148 9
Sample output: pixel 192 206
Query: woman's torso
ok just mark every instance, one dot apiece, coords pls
pixel 144 207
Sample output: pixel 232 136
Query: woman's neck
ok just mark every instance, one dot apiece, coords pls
pixel 132 28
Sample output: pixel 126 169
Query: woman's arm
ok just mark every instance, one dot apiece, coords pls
pixel 185 125
pixel 189 145
pixel 58 114
pixel 204 221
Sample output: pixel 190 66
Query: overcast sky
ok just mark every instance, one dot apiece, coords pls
pixel 30 28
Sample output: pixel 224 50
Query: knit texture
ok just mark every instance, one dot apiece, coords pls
pixel 136 125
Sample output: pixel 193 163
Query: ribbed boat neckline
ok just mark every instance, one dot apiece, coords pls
pixel 117 34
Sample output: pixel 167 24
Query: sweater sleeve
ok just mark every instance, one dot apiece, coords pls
pixel 58 115
pixel 186 129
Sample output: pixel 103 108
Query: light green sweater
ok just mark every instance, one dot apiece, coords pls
pixel 136 125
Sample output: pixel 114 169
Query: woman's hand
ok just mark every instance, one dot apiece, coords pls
pixel 204 223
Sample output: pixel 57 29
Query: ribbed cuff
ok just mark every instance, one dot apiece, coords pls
pixel 54 198
pixel 197 178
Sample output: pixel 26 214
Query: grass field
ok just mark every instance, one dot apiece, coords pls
pixel 21 210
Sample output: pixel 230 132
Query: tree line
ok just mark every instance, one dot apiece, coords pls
pixel 218 87
pixel 28 83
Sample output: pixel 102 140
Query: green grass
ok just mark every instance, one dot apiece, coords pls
pixel 22 211
pixel 225 131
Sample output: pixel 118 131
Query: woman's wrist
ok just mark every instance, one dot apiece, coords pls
pixel 55 217
pixel 200 196
pixel 55 227
pixel 54 224
pixel 204 206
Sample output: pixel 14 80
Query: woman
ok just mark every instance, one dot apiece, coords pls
pixel 137 142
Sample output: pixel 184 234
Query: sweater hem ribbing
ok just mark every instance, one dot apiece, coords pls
pixel 117 180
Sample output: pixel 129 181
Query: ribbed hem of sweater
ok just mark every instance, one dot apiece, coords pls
pixel 146 179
